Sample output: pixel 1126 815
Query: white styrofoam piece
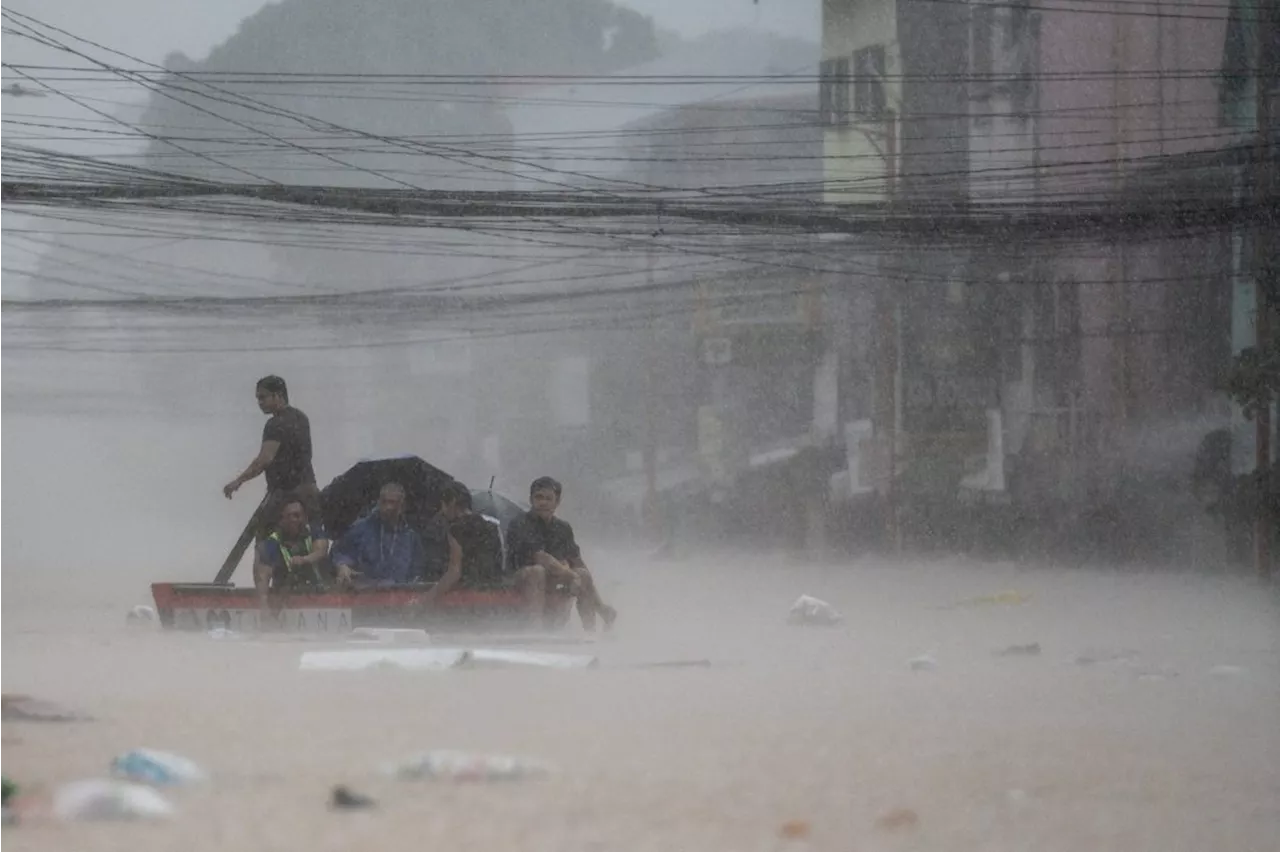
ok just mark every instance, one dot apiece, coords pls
pixel 360 659
pixel 390 635
pixel 102 799
pixel 497 657
pixel 437 659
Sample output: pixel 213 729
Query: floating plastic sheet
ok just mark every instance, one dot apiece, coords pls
pixel 438 659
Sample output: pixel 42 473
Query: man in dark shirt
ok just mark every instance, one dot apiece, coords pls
pixel 539 540
pixel 293 556
pixel 441 551
pixel 478 540
pixel 285 456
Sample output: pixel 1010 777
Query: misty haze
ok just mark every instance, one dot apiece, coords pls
pixel 775 425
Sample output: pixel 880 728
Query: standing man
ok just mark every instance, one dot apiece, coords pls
pixel 285 456
pixel 540 539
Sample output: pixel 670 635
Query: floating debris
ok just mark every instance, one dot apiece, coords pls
pixel 1029 650
pixel 814 612
pixel 922 663
pixel 898 819
pixel 24 708
pixel 158 768
pixel 461 766
pixel 1007 598
pixel 343 798
pixel 98 799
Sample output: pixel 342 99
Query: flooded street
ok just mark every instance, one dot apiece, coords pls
pixel 826 726
pixel 716 283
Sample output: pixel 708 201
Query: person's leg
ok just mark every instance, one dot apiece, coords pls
pixel 262 582
pixel 267 516
pixel 590 604
pixel 532 583
pixel 310 497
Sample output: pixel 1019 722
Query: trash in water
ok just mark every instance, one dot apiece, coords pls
pixel 794 829
pixel 922 663
pixel 675 664
pixel 1155 672
pixel 407 659
pixel 223 633
pixel 898 819
pixel 494 658
pixel 438 659
pixel 100 799
pixel 1227 671
pixel 24 708
pixel 1030 650
pixel 1007 598
pixel 460 766
pixel 10 790
pixel 812 611
pixel 159 768
pixel 389 636
pixel 1095 657
pixel 346 799
pixel 140 615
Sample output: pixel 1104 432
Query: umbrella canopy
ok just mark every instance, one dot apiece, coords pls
pixel 496 505
pixel 351 494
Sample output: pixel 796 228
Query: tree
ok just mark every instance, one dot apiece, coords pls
pixel 1253 380
pixel 410 37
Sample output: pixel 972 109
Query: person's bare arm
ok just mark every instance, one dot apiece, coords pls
pixel 452 574
pixel 266 455
pixel 319 551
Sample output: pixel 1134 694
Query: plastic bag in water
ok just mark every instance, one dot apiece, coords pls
pixel 100 799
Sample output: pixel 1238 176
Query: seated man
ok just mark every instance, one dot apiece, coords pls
pixel 543 550
pixel 478 541
pixel 381 548
pixel 293 556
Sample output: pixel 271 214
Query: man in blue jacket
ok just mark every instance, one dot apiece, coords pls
pixel 381 549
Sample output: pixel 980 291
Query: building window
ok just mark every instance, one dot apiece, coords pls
pixel 833 93
pixel 869 99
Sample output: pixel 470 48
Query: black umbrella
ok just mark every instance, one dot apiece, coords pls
pixel 351 494
pixel 496 505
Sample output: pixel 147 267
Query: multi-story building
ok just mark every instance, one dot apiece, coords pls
pixel 1082 347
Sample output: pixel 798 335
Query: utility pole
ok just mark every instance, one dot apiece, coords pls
pixel 1263 187
pixel 888 373
pixel 652 517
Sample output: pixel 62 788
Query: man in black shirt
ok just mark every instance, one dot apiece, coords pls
pixel 285 456
pixel 541 542
pixel 479 545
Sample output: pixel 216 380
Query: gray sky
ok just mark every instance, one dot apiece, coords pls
pixel 150 29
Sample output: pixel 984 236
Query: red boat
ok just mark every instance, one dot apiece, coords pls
pixel 205 606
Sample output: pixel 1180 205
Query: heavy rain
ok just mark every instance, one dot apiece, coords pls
pixel 773 425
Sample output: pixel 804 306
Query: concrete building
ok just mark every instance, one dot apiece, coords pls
pixel 1088 347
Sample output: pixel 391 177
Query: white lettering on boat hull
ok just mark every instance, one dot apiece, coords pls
pixel 250 620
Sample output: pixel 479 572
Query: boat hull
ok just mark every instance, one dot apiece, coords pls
pixel 206 606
